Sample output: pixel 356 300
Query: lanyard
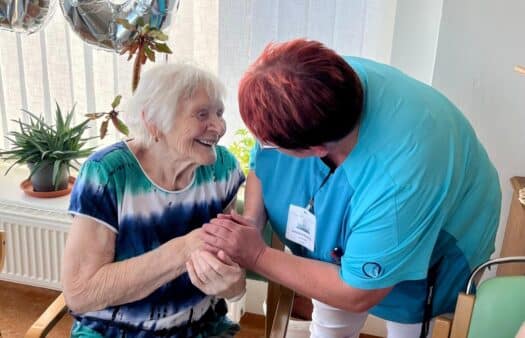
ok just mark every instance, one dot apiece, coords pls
pixel 310 205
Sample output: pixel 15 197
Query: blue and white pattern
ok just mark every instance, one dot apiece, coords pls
pixel 113 189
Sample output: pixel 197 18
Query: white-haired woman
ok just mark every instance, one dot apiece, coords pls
pixel 132 264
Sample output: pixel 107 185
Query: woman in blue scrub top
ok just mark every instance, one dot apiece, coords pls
pixel 375 181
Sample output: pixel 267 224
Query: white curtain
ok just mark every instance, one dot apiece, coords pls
pixel 224 36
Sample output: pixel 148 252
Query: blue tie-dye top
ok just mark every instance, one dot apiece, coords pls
pixel 113 189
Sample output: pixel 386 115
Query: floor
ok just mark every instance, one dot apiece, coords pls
pixel 21 305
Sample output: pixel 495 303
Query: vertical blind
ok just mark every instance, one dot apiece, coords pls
pixel 224 36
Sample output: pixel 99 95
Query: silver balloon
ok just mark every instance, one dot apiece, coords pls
pixel 95 20
pixel 25 16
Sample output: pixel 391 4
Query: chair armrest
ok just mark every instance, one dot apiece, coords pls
pixel 48 319
pixel 442 327
pixel 282 313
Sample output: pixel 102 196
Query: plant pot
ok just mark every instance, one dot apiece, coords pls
pixel 42 179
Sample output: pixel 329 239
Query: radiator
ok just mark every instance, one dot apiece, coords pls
pixel 35 239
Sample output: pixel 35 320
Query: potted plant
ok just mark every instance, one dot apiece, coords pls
pixel 48 150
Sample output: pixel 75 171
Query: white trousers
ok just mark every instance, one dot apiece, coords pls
pixel 331 322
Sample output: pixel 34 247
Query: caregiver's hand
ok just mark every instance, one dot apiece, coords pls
pixel 218 276
pixel 237 236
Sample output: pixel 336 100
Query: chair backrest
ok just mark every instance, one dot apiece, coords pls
pixel 496 310
pixel 2 249
pixel 499 309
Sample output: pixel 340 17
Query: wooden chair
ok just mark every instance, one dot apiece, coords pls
pixel 279 306
pixel 2 249
pixel 279 303
pixel 497 309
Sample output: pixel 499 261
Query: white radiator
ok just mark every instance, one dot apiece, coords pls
pixel 34 245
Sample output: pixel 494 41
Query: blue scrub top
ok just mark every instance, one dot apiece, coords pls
pixel 417 188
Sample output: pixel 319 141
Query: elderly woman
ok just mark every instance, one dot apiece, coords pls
pixel 132 264
pixel 376 182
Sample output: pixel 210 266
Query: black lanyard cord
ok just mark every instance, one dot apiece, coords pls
pixel 310 205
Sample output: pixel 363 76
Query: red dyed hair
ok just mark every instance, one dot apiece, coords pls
pixel 299 94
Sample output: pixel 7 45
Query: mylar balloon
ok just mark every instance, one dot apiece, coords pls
pixel 25 16
pixel 94 20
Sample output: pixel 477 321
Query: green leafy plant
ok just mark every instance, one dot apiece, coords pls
pixel 145 42
pixel 112 116
pixel 241 147
pixel 39 144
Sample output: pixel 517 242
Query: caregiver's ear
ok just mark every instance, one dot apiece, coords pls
pixel 319 151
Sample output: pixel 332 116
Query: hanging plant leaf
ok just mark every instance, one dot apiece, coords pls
pixel 140 22
pixel 158 35
pixel 162 47
pixel 149 53
pixel 103 129
pixel 116 101
pixel 94 116
pixel 120 125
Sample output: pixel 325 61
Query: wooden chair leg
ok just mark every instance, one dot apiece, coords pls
pixel 282 313
pixel 442 327
pixel 462 316
pixel 272 299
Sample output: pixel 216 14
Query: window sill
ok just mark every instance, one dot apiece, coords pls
pixel 14 202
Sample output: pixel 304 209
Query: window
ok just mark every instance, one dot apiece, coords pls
pixel 54 64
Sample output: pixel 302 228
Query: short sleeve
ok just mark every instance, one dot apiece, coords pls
pixel 253 155
pixel 232 173
pixel 94 195
pixel 392 238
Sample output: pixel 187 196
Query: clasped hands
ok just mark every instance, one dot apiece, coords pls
pixel 230 243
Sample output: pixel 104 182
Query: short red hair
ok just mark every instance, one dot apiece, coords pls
pixel 299 94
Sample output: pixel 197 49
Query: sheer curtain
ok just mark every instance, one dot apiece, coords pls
pixel 222 35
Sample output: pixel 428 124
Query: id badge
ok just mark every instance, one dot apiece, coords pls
pixel 301 227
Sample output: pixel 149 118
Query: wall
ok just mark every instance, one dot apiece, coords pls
pixel 356 27
pixel 480 41
pixel 415 37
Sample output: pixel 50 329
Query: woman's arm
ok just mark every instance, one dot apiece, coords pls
pixel 253 201
pixel 315 279
pixel 93 281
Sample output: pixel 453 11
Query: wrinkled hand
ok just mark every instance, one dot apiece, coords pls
pixel 193 241
pixel 237 236
pixel 217 276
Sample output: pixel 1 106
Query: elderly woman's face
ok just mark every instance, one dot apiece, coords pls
pixel 198 126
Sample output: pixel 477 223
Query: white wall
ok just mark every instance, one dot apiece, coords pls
pixel 415 37
pixel 480 41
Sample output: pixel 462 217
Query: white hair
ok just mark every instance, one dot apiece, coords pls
pixel 160 90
